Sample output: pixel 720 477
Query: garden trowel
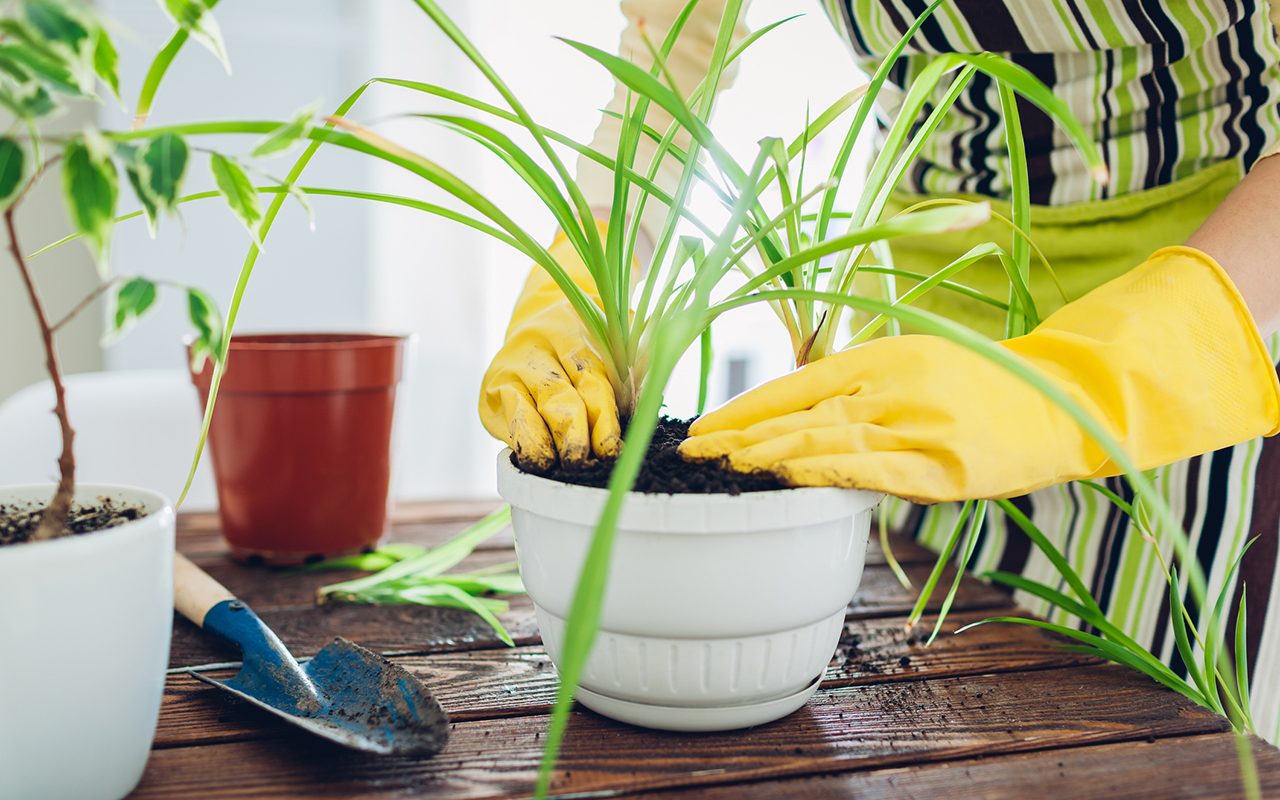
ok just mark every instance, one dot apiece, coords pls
pixel 346 693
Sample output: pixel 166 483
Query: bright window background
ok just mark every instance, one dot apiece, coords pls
pixel 397 269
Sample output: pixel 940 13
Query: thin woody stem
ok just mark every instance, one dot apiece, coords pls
pixel 54 519
pixel 102 289
pixel 40 173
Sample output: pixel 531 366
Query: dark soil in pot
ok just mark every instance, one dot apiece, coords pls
pixel 19 522
pixel 664 471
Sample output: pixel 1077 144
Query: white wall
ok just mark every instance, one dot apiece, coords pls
pixel 285 55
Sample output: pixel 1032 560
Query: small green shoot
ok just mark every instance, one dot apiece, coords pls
pixel 413 574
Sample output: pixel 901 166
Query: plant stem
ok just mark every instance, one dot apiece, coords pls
pixel 83 304
pixel 54 519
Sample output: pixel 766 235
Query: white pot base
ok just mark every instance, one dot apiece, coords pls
pixel 689 719
pixel 718 609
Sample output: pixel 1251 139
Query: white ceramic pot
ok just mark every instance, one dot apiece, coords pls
pixel 721 611
pixel 84 644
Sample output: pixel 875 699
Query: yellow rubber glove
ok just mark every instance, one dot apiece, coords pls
pixel 1166 357
pixel 547 393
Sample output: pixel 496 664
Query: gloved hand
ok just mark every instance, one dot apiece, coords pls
pixel 1166 357
pixel 547 393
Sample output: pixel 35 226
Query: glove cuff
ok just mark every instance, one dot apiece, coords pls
pixel 1261 363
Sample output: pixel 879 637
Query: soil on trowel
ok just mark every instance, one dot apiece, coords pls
pixel 19 522
pixel 665 472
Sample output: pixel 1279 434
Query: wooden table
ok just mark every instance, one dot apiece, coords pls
pixel 999 711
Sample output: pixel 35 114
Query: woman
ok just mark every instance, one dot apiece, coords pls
pixel 1169 272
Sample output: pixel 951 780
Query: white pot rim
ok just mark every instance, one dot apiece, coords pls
pixel 680 513
pixel 159 512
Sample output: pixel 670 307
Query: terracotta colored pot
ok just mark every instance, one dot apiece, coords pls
pixel 301 443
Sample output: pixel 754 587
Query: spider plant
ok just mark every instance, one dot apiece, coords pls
pixel 413 574
pixel 812 319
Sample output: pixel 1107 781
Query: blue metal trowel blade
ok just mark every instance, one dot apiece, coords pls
pixel 346 693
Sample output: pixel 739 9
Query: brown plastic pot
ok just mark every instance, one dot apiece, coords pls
pixel 301 443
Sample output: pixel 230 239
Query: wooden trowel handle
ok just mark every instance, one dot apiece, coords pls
pixel 194 592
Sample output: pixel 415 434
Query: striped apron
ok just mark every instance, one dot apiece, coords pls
pixel 1181 99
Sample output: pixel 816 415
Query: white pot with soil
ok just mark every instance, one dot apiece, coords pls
pixel 84 643
pixel 721 611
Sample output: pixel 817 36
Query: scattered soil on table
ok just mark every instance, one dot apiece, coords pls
pixel 664 471
pixel 19 522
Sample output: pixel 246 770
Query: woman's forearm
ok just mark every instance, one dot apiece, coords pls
pixel 1243 235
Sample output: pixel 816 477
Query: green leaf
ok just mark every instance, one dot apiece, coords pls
pixel 1102 648
pixel 1242 652
pixel 431 563
pixel 155 172
pixel 106 62
pixel 1178 614
pixel 285 136
pixel 1095 618
pixel 156 72
pixel 54 22
pixel 13 170
pixel 1055 556
pixel 194 17
pixel 413 575
pixel 90 186
pixel 238 191
pixel 51 70
pixel 706 357
pixel 133 299
pixel 134 172
pixel 47 60
pixel 25 95
pixel 298 193
pixel 971 541
pixel 379 559
pixel 166 160
pixel 1025 83
pixel 508 583
pixel 207 321
pixel 940 565
pixel 65 31
pixel 442 594
pixel 1213 640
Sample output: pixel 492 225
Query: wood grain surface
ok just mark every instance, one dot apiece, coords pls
pixel 998 711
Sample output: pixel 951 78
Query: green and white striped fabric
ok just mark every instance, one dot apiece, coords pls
pixel 1167 89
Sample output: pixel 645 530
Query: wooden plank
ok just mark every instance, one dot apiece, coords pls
pixel 1125 771
pixel 283 598
pixel 841 730
pixel 386 629
pixel 520 681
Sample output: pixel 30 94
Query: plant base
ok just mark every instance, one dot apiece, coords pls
pixel 685 719
pixel 711 684
pixel 665 472
pixel 18 522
